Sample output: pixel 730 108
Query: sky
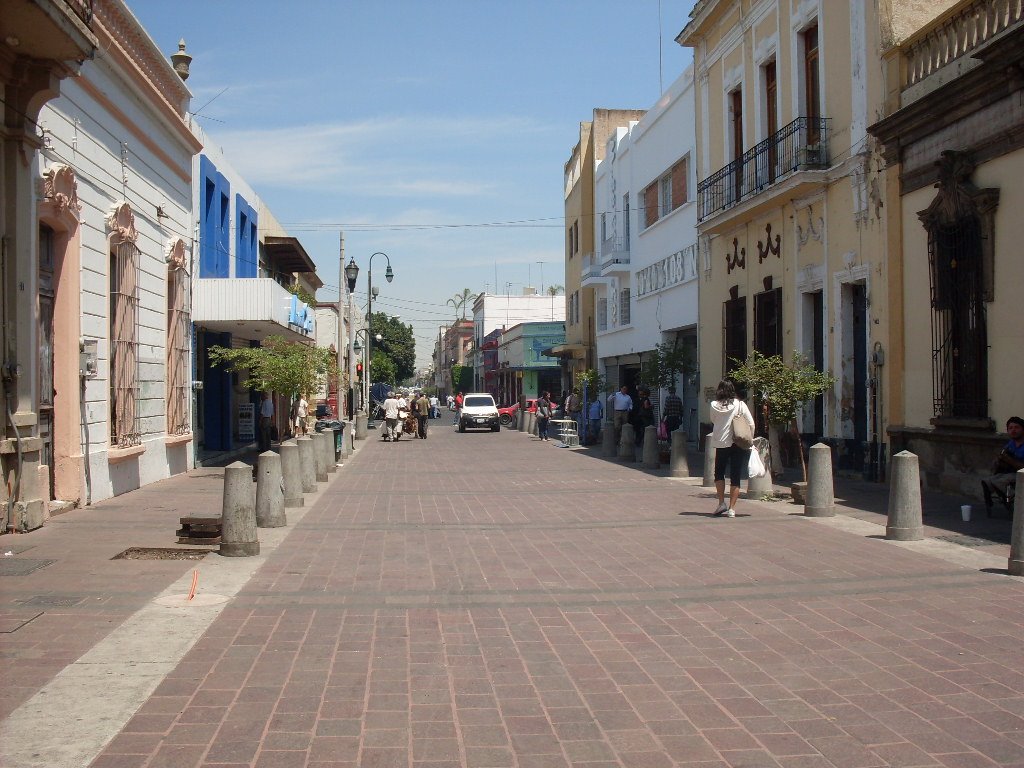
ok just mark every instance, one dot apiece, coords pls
pixel 433 131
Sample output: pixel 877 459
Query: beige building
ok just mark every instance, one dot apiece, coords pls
pixel 790 208
pixel 956 274
pixel 578 352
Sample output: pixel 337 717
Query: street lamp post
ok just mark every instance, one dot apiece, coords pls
pixel 389 275
pixel 351 273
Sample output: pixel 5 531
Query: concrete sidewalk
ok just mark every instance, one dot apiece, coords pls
pixel 487 600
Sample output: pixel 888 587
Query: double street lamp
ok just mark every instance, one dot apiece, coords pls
pixel 351 274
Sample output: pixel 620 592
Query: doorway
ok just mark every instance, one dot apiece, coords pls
pixel 46 387
pixel 854 392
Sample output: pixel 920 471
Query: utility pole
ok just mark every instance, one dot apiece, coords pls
pixel 339 344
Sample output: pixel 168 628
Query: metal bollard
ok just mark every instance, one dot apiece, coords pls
pixel 291 474
pixel 1015 565
pixel 820 495
pixel 677 463
pixel 904 522
pixel 361 419
pixel 238 535
pixel 627 443
pixel 320 456
pixel 608 447
pixel 709 463
pixel 650 451
pixel 269 492
pixel 307 464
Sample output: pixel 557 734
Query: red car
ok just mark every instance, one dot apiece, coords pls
pixel 507 414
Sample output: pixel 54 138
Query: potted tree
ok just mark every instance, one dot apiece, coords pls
pixel 780 390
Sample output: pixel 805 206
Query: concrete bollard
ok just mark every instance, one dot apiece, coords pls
pixel 291 474
pixel 820 496
pixel 328 449
pixel 531 423
pixel 361 419
pixel 650 454
pixel 238 535
pixel 758 487
pixel 320 456
pixel 627 443
pixel 1015 565
pixel 677 463
pixel 521 420
pixel 269 492
pixel 608 447
pixel 709 463
pixel 307 464
pixel 904 522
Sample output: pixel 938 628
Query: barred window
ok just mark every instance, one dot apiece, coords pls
pixel 178 330
pixel 124 329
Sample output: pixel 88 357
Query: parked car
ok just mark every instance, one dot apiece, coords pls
pixel 508 414
pixel 479 412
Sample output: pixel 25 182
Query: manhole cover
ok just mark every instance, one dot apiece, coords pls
pixel 156 553
pixel 15 566
pixel 53 601
pixel 967 541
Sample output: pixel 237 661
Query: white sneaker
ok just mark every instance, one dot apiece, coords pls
pixel 722 508
pixel 730 513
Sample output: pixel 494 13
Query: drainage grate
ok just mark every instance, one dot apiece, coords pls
pixel 969 541
pixel 52 601
pixel 15 566
pixel 156 553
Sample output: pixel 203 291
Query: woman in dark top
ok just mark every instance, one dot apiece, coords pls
pixel 644 414
pixel 543 415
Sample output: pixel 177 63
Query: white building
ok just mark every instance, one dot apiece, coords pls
pixel 114 249
pixel 645 270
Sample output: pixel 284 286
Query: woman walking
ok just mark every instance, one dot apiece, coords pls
pixel 543 415
pixel 728 456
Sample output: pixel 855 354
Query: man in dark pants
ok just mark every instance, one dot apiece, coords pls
pixel 422 406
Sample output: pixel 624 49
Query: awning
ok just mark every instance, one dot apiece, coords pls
pixel 288 255
pixel 566 350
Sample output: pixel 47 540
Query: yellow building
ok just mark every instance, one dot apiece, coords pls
pixel 953 136
pixel 578 352
pixel 790 205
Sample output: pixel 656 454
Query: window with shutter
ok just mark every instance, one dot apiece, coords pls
pixel 650 205
pixel 678 184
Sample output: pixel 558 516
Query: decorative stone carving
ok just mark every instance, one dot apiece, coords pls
pixel 737 259
pixel 811 232
pixel 768 248
pixel 175 254
pixel 60 187
pixel 121 222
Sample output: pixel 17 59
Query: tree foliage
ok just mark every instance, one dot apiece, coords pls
pixel 662 367
pixel 554 290
pixel 596 383
pixel 462 378
pixel 461 300
pixel 397 344
pixel 781 387
pixel 286 367
pixel 382 369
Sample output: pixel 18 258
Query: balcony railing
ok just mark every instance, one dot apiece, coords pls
pixel 956 34
pixel 801 145
pixel 614 247
pixel 591 268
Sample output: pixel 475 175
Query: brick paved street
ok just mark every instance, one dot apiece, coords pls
pixel 488 600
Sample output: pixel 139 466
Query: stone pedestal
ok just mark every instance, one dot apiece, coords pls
pixel 1015 565
pixel 627 443
pixel 291 474
pixel 678 465
pixel 820 495
pixel 650 451
pixel 269 492
pixel 307 464
pixel 904 522
pixel 709 463
pixel 238 536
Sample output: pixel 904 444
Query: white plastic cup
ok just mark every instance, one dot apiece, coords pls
pixel 965 512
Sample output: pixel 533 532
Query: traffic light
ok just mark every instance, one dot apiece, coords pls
pixel 359 371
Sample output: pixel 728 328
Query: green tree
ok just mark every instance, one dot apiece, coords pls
pixel 781 389
pixel 462 378
pixel 461 300
pixel 595 382
pixel 277 365
pixel 397 344
pixel 382 369
pixel 663 365
pixel 554 290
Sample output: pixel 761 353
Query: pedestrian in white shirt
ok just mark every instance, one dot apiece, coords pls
pixel 435 407
pixel 390 418
pixel 266 421
pixel 725 407
pixel 301 411
pixel 621 404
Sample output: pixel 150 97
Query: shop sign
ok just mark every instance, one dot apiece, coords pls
pixel 246 422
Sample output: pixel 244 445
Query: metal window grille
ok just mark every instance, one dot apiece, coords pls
pixel 124 346
pixel 959 330
pixel 178 325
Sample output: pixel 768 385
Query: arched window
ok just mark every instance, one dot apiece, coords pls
pixel 125 430
pixel 178 331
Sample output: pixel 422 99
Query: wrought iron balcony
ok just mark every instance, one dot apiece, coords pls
pixel 801 145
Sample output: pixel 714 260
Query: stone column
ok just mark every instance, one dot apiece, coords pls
pixel 627 443
pixel 291 474
pixel 904 522
pixel 238 537
pixel 307 463
pixel 650 454
pixel 820 496
pixel 1015 565
pixel 709 463
pixel 678 465
pixel 269 492
pixel 319 456
pixel 329 460
pixel 361 419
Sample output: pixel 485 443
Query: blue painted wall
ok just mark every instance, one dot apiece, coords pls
pixel 247 255
pixel 217 392
pixel 214 221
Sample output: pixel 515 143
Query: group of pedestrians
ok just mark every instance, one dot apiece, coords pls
pixel 410 417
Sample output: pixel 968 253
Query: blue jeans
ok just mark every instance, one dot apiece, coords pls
pixel 542 427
